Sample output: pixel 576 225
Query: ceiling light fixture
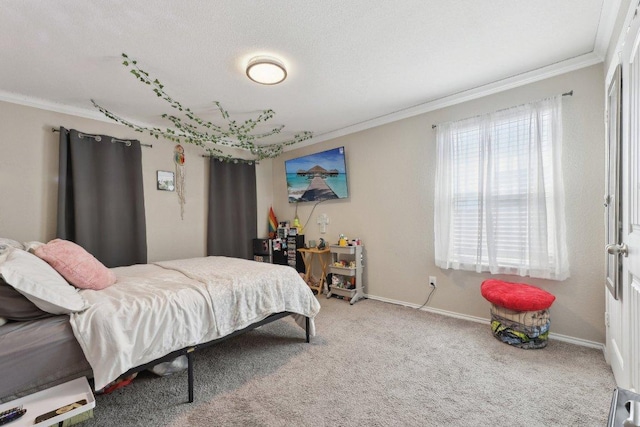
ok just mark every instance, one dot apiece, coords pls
pixel 266 70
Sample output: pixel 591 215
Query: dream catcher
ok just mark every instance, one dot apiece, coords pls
pixel 178 159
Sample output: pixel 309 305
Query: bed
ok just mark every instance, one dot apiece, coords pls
pixel 152 313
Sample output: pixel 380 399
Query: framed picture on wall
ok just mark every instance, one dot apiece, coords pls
pixel 166 181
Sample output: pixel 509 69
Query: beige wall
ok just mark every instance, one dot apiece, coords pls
pixel 391 178
pixel 391 171
pixel 29 171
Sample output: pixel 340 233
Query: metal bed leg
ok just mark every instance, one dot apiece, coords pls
pixel 306 324
pixel 190 372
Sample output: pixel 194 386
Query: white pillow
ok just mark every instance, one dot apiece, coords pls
pixel 40 283
pixel 32 246
pixel 2 321
pixel 9 243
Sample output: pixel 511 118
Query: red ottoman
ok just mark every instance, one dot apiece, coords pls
pixel 519 313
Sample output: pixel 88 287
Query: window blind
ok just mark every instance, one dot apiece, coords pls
pixel 499 199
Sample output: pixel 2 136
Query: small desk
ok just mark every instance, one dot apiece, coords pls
pixel 307 256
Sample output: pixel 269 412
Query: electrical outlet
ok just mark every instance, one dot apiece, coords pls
pixel 432 281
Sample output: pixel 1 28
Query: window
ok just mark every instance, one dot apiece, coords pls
pixel 499 199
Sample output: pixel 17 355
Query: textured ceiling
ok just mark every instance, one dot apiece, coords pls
pixel 350 63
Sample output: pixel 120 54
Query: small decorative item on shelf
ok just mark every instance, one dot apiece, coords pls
pixel 342 241
pixel 322 244
pixel 336 281
pixel 296 224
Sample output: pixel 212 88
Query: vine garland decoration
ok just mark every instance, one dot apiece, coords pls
pixel 195 130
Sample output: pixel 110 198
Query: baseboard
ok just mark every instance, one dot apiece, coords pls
pixel 554 336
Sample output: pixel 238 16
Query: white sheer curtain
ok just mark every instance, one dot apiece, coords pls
pixel 499 196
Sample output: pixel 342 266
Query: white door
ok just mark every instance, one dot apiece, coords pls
pixel 623 330
pixel 613 229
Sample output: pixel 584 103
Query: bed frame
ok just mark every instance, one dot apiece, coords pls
pixel 189 351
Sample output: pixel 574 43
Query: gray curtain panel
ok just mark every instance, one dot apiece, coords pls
pixel 232 221
pixel 101 197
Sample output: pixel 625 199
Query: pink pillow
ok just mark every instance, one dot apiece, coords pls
pixel 78 266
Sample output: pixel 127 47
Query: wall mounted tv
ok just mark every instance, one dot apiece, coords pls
pixel 317 177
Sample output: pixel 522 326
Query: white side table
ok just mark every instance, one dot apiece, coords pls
pixel 51 399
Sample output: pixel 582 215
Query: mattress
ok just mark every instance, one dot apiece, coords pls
pixel 38 354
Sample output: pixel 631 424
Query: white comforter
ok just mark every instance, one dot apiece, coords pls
pixel 153 310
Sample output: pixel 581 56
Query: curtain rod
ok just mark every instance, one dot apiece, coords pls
pixel 570 93
pixel 127 142
pixel 231 160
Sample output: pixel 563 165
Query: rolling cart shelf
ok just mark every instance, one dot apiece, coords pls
pixel 343 292
pixel 345 271
pixel 352 255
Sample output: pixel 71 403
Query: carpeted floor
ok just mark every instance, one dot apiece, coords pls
pixel 372 364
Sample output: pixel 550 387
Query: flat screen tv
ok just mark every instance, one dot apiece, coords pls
pixel 317 177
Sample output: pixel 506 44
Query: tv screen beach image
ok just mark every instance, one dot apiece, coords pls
pixel 316 177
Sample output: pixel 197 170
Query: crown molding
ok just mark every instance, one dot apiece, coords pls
pixel 608 16
pixel 55 107
pixel 543 73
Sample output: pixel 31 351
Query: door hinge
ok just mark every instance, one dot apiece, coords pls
pixel 606 319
